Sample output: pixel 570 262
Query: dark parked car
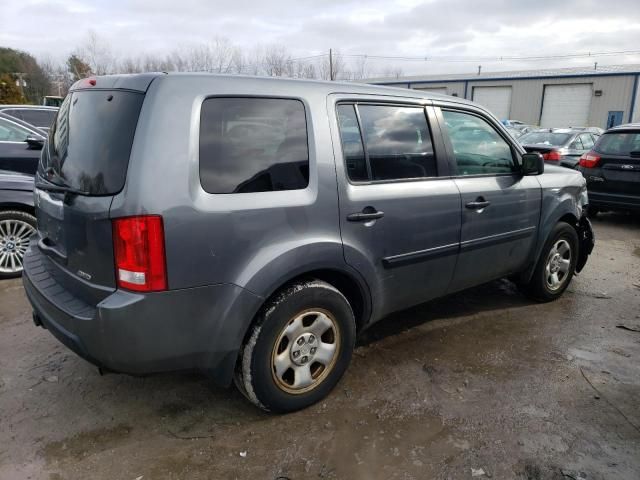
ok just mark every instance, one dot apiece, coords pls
pixel 251 227
pixel 20 145
pixel 612 170
pixel 40 117
pixel 560 146
pixel 17 222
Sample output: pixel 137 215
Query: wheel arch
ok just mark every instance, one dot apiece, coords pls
pixel 563 212
pixel 21 207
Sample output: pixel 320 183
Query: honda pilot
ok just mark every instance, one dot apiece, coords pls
pixel 251 228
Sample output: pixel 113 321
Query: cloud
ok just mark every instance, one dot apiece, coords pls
pixel 429 28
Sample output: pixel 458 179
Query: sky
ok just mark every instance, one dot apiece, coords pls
pixel 454 35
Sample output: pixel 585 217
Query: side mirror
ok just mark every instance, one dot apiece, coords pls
pixel 35 143
pixel 532 164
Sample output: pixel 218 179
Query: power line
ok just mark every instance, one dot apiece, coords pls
pixel 485 58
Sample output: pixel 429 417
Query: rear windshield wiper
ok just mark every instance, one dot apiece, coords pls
pixel 52 187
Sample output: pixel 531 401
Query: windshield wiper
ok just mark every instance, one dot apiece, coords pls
pixel 52 187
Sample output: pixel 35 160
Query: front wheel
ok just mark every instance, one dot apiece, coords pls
pixel 298 349
pixel 556 265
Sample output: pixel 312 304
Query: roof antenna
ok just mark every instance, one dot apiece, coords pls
pixel 595 66
pixel 479 69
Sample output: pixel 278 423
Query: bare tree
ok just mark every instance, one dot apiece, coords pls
pixel 360 69
pixel 392 72
pixel 277 62
pixel 97 54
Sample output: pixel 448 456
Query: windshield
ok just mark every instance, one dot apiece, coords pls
pixel 90 141
pixel 622 143
pixel 545 138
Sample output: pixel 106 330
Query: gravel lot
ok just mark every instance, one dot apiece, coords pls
pixel 482 380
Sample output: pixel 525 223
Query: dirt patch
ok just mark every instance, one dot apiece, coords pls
pixel 87 443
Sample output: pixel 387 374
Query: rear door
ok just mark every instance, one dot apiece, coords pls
pixel 88 149
pixel 399 210
pixel 500 207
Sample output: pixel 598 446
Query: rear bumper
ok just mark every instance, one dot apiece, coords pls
pixel 195 328
pixel 614 201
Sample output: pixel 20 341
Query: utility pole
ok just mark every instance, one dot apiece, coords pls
pixel 331 64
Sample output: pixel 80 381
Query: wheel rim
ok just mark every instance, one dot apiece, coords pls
pixel 558 265
pixel 306 351
pixel 14 240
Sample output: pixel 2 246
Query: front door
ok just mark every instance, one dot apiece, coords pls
pixel 500 207
pixel 400 221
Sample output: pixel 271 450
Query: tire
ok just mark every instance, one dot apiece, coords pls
pixel 298 349
pixel 15 229
pixel 562 245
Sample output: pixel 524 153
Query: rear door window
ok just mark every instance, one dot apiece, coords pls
pixel 397 142
pixel 477 147
pixel 253 145
pixel 587 141
pixel 577 144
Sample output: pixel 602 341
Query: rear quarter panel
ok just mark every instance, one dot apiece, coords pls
pixel 254 240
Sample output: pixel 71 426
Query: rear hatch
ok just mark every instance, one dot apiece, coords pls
pixel 619 163
pixel 83 165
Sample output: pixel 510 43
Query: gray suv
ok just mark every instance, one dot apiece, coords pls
pixel 252 227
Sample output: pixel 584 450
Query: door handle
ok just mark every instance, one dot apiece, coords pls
pixel 478 204
pixel 368 214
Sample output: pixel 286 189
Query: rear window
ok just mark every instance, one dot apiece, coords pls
pixel 253 145
pixel 544 138
pixel 622 143
pixel 90 141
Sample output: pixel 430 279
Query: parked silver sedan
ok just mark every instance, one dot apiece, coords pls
pixel 559 146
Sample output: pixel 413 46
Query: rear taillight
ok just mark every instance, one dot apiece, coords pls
pixel 552 156
pixel 590 160
pixel 138 247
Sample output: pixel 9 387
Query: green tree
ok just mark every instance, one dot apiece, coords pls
pixel 15 62
pixel 78 68
pixel 10 93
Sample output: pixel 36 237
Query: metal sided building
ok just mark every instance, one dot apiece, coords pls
pixel 597 97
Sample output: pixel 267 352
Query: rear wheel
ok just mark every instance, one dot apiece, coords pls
pixel 556 265
pixel 298 349
pixel 15 229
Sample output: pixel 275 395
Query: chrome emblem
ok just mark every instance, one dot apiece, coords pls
pixel 84 275
pixel 627 167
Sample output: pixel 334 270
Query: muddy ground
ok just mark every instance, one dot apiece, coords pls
pixel 484 380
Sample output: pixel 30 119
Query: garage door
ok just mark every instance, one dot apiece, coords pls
pixel 566 105
pixel 496 99
pixel 442 90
